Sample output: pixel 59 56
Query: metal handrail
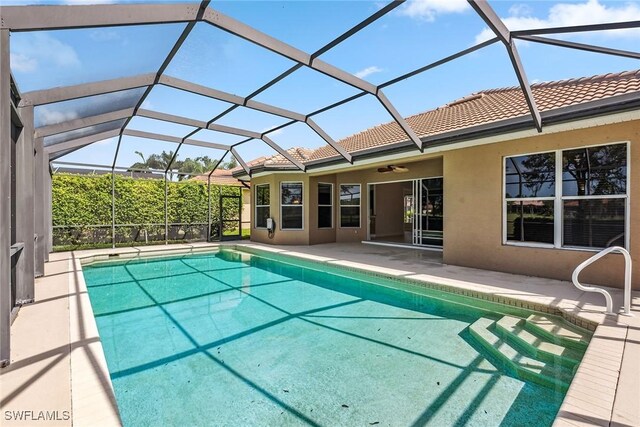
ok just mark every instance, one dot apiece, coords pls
pixel 606 294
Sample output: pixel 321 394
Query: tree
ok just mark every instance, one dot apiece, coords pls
pixel 154 161
pixel 187 168
pixel 232 163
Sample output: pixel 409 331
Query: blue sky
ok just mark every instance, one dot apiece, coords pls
pixel 415 34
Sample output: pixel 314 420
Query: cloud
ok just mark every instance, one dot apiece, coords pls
pixel 570 14
pixel 427 10
pixel 103 35
pixel 368 71
pixel 35 49
pixel 274 133
pixel 520 9
pixel 21 62
pixel 91 106
pixel 51 117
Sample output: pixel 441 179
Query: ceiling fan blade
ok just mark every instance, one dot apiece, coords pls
pixel 400 169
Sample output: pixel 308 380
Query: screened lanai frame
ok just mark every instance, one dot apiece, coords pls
pixel 31 197
pixel 34 18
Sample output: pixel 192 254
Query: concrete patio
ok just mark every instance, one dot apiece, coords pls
pixel 58 370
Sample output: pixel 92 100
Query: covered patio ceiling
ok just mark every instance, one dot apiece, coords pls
pixel 123 98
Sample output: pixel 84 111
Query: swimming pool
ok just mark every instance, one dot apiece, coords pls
pixel 236 339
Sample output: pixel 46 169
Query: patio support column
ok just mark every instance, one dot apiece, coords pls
pixel 209 208
pixel 25 209
pixel 5 200
pixel 113 208
pixel 40 168
pixel 48 219
pixel 166 217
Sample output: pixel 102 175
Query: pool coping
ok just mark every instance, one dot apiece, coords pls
pixel 595 396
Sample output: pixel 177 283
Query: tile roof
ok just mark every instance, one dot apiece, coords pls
pixel 480 108
pixel 301 154
pixel 225 176
pixel 490 106
pixel 220 177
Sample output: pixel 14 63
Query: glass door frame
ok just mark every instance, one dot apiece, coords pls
pixel 417 227
pixel 416 239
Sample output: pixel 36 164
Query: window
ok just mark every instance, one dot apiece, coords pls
pixel 325 205
pixel 350 205
pixel 570 198
pixel 291 205
pixel 594 196
pixel 263 205
pixel 529 192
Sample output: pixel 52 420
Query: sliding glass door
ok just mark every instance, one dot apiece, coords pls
pixel 427 208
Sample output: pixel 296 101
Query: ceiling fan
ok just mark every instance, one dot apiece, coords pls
pixel 393 168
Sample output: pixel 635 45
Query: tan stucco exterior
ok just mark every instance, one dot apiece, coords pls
pixel 473 205
pixel 282 237
pixel 311 233
pixel 473 209
pixel 246 208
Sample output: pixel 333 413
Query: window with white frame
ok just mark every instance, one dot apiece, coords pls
pixel 291 206
pixel 350 205
pixel 530 192
pixel 263 205
pixel 325 205
pixel 569 198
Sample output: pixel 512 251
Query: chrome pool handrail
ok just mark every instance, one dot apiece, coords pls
pixel 606 294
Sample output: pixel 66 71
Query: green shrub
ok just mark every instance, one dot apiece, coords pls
pixel 81 209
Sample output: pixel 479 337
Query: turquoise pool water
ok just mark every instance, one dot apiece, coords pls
pixel 211 340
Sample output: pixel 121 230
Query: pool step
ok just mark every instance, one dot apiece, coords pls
pixel 513 330
pixel 547 373
pixel 554 329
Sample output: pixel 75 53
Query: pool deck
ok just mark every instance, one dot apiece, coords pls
pixel 58 370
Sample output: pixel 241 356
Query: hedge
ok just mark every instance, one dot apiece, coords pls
pixel 81 210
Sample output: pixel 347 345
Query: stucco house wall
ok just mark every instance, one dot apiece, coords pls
pixel 281 237
pixel 246 208
pixel 473 188
pixel 473 205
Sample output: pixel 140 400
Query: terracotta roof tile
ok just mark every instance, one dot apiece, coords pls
pixel 299 153
pixel 219 177
pixel 490 106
